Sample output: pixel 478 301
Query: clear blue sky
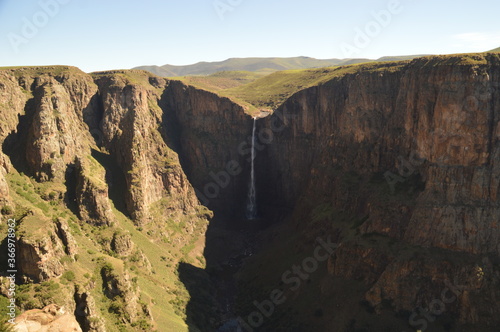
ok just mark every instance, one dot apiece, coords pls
pixel 112 34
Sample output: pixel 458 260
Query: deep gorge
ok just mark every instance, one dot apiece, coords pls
pixel 324 164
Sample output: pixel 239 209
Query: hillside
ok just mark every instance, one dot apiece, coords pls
pixel 258 65
pixel 269 92
pixel 266 93
pixel 105 213
pixel 221 80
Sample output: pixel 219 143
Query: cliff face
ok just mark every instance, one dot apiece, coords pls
pixel 75 147
pixel 56 133
pixel 133 132
pixel 45 121
pixel 436 118
pixel 411 150
pixel 92 193
pixel 213 137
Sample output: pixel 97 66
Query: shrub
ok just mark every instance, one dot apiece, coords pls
pixel 107 267
pixel 7 210
pixel 69 275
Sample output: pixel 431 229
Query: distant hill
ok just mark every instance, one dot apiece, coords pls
pixel 257 65
pixel 495 50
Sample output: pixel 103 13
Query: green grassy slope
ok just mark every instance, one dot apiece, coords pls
pixel 160 287
pixel 222 80
pixel 269 92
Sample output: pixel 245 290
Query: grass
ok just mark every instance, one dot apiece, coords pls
pixel 159 286
pixel 123 78
pixel 269 92
pixel 149 283
pixel 261 66
pixel 43 70
pixel 221 80
pixel 95 172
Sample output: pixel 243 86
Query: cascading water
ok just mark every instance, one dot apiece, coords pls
pixel 252 202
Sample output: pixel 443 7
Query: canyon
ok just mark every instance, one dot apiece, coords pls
pixel 131 191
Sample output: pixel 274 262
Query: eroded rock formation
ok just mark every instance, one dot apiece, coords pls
pixel 399 161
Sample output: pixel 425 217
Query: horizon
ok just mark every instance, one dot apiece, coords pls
pixel 95 36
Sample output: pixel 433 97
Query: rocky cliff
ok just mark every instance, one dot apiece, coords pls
pixel 435 118
pixel 86 160
pixel 110 174
pixel 407 153
pixel 213 137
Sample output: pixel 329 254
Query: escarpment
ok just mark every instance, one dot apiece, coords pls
pixel 110 175
pixel 86 162
pixel 402 160
pixel 133 130
pixel 434 119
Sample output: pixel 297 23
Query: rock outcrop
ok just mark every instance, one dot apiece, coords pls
pixel 53 137
pixel 46 121
pixel 67 239
pixel 52 318
pixel 92 192
pixel 86 313
pixel 132 132
pixel 4 187
pixel 118 286
pixel 39 249
pixel 122 244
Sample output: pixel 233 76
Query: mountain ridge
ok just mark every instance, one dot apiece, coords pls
pixel 264 65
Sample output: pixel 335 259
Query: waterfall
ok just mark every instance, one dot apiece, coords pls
pixel 252 203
